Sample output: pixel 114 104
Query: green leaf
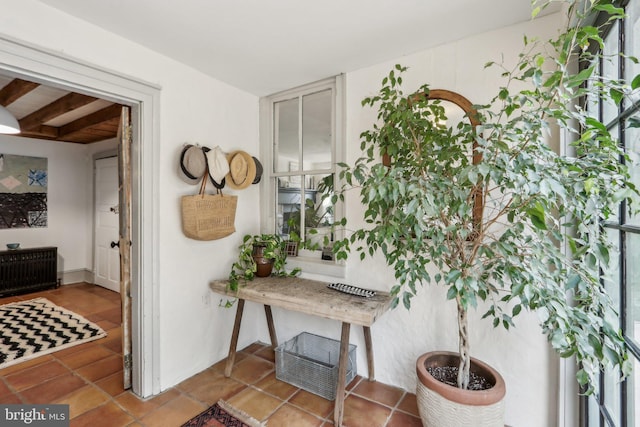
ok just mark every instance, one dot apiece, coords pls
pixel 596 344
pixel 595 123
pixel 603 252
pixel 609 9
pixel 635 83
pixel 543 314
pixel 581 77
pixel 553 79
pixel 582 377
pixel 406 300
pixel 537 217
pixel 516 310
pixel 517 288
pixel 573 281
pixel 452 276
pixel 451 293
pixel 558 340
pixel 535 11
pixel 589 185
pixel 616 95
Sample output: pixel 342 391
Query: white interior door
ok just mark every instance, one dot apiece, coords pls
pixel 107 256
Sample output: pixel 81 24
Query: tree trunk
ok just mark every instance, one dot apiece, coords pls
pixel 463 346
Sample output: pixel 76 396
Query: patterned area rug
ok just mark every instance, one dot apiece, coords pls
pixel 223 415
pixel 36 327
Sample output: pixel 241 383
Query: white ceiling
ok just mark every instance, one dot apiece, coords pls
pixel 265 46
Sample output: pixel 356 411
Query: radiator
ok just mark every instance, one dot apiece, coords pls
pixel 28 270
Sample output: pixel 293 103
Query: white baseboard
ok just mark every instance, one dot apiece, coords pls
pixel 75 276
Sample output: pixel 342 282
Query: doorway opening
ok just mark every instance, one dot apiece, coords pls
pixel 52 69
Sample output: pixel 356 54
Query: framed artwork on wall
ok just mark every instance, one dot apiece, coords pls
pixel 23 191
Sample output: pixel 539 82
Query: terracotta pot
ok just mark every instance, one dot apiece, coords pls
pixel 263 265
pixel 440 404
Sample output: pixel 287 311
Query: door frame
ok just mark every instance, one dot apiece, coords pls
pixel 23 60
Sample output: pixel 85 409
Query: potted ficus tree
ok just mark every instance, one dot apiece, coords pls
pixel 484 207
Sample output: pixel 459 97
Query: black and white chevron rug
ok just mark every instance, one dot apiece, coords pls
pixel 36 327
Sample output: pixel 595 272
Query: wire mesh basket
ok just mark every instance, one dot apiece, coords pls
pixel 310 362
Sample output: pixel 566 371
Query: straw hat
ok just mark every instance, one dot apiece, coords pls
pixel 193 164
pixel 242 170
pixel 218 166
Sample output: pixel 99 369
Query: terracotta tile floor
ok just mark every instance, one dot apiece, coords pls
pixel 88 377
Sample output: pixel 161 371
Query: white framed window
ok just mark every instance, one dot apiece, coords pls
pixel 301 139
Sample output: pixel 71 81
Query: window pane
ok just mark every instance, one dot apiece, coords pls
pixel 612 282
pixel 286 126
pixel 610 71
pixel 593 410
pixel 632 140
pixel 632 37
pixel 317 130
pixel 633 395
pixel 614 216
pixel 633 287
pixel 317 213
pixel 320 211
pixel 612 394
pixel 289 201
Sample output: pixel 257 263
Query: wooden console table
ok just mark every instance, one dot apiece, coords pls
pixel 310 297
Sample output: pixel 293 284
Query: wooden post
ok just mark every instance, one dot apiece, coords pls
pixel 234 339
pixel 270 325
pixel 124 242
pixel 368 346
pixel 338 412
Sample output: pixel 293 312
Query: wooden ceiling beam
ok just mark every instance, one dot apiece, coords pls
pixel 57 108
pixel 42 131
pixel 16 89
pixel 93 127
pixel 108 113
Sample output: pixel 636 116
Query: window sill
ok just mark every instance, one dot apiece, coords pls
pixel 315 265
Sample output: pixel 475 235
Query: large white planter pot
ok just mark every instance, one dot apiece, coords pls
pixel 442 405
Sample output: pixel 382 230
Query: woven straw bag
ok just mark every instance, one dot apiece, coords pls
pixel 208 216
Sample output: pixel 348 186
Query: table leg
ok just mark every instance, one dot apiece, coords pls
pixel 272 329
pixel 338 412
pixel 368 346
pixel 234 339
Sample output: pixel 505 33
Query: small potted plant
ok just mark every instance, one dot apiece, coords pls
pixel 261 255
